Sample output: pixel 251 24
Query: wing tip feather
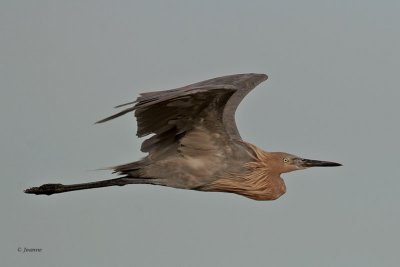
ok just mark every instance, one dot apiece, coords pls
pixel 123 112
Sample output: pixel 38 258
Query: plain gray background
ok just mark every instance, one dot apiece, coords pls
pixel 333 94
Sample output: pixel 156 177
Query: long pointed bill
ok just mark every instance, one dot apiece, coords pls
pixel 306 163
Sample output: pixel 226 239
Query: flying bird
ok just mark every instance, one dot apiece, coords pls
pixel 195 144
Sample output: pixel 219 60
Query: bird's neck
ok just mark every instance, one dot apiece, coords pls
pixel 261 159
pixel 256 181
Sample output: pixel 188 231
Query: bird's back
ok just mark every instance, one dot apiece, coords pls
pixel 201 156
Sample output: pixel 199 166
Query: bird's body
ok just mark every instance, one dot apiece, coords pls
pixel 196 144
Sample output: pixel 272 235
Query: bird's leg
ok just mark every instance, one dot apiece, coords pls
pixel 49 189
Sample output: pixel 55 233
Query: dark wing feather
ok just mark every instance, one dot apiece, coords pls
pixel 171 113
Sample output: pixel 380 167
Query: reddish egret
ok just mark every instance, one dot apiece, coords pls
pixel 196 145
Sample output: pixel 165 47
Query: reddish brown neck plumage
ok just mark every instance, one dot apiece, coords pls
pixel 257 182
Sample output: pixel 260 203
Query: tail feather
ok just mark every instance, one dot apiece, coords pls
pixel 131 168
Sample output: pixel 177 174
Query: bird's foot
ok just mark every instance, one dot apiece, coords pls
pixel 46 189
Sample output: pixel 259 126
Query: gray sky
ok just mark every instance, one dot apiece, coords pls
pixel 333 94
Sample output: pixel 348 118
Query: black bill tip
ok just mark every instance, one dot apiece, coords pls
pixel 306 163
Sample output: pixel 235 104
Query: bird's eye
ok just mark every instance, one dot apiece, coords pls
pixel 286 160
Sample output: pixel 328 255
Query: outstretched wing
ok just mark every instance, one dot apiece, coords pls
pixel 172 113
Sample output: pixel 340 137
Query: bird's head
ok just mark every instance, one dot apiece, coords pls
pixel 284 162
